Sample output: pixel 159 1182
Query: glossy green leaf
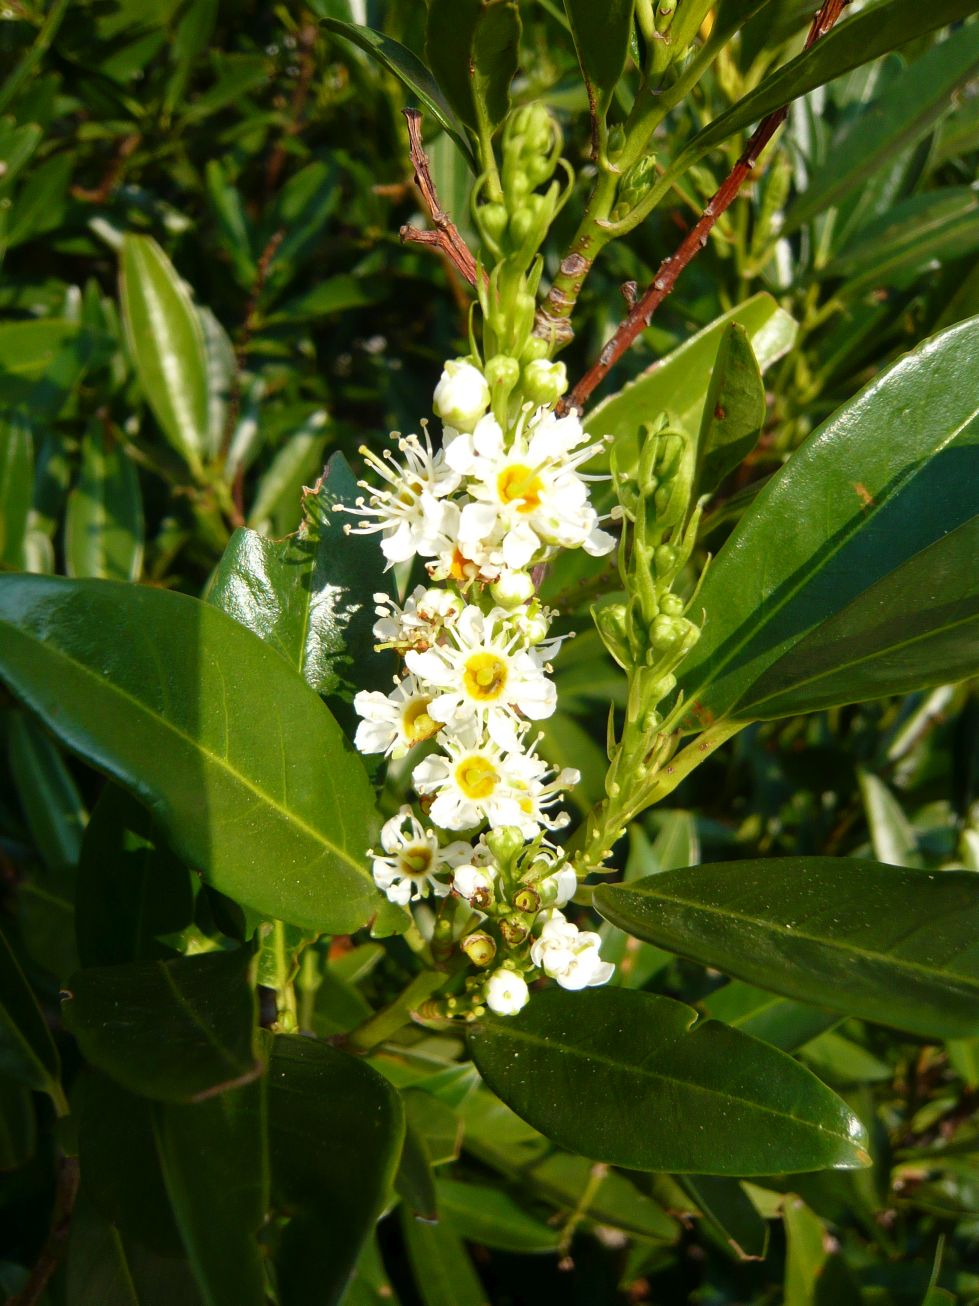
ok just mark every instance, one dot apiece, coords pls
pixel 777 1020
pixel 443 1272
pixel 891 945
pixel 410 69
pixel 879 27
pixel 842 1061
pixel 295 463
pixel 734 411
pixel 899 116
pixel 311 596
pixel 633 1079
pixel 890 830
pixel 49 797
pixel 27 1051
pixel 336 1130
pixel 202 720
pixel 471 46
pixel 601 40
pixel 16 486
pixel 104 521
pixel 370 1285
pixel 180 1030
pixel 41 362
pixel 731 1215
pixel 215 1167
pixel 166 342
pixel 851 575
pixel 490 1216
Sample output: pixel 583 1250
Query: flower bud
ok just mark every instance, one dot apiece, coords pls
pixel 493 219
pixel 559 888
pixel 502 372
pixel 474 883
pixel 512 589
pixel 544 382
pixel 479 948
pixel 506 992
pixel 527 899
pixel 665 632
pixel 462 396
pixel 672 605
pixel 613 627
pixel 665 559
pixel 504 843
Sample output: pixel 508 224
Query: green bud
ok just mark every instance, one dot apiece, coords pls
pixel 502 373
pixel 514 931
pixel 493 219
pixel 505 843
pixel 527 899
pixel 664 633
pixel 665 559
pixel 612 625
pixel 672 605
pixel 479 948
pixel 616 142
pixel 534 348
pixel 545 382
pixel 638 181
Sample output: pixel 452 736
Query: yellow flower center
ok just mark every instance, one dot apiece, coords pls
pixel 521 485
pixel 416 723
pixel 484 676
pixel 415 860
pixel 475 776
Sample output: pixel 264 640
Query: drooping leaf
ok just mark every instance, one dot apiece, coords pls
pixel 180 1030
pixel 601 40
pixel 27 1051
pixel 335 1129
pixel 201 720
pixel 166 342
pixel 632 1079
pixel 443 1272
pixel 850 575
pixel 891 945
pixel 104 521
pixel 734 411
pixel 471 46
pixel 49 796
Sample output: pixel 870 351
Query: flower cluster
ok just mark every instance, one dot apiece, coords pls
pixel 482 511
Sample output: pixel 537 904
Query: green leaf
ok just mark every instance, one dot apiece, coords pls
pixel 891 945
pixel 204 723
pixel 311 596
pixel 27 1051
pixel 18 1130
pixel 895 120
pixel 41 362
pixel 443 1272
pixel 851 575
pixel 104 521
pixel 297 461
pixel 53 807
pixel 131 888
pixel 336 1129
pixel 415 1182
pixel 734 411
pixel 806 1252
pixel 777 1020
pixel 166 342
pixel 175 1031
pixel 490 1216
pixel 890 830
pixel 632 1079
pixel 215 1167
pixel 16 486
pixel 601 40
pixel 731 1214
pixel 876 29
pixel 410 69
pixel 471 46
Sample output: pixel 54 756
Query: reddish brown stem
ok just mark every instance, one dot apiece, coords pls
pixel 446 236
pixel 669 270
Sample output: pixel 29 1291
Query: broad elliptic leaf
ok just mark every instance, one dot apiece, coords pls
pixel 853 575
pixel 601 40
pixel 880 942
pixel 104 520
pixel 175 1031
pixel 27 1050
pixel 311 595
pixel 245 770
pixel 399 60
pixel 780 1021
pixel 166 342
pixel 633 1079
pixel 876 29
pixel 471 46
pixel 734 411
pixel 336 1128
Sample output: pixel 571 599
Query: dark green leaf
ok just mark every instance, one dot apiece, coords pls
pixel 53 807
pixel 16 485
pixel 166 342
pixel 777 1020
pixel 842 1061
pixel 471 46
pixel 887 944
pixel 336 1129
pixel 104 521
pixel 27 1051
pixel 893 121
pixel 202 720
pixel 295 463
pixel 851 575
pixel 490 1216
pixel 632 1079
pixel 734 411
pixel 175 1031
pixel 443 1272
pixel 414 1181
pixel 410 69
pixel 41 362
pixel 17 1125
pixel 729 1211
pixel 601 39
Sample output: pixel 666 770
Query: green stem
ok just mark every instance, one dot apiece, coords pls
pixel 287 1018
pixel 398 1014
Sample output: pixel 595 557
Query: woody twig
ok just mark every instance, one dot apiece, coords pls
pixel 446 235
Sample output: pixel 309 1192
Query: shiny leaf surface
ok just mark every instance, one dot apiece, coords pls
pixel 734 411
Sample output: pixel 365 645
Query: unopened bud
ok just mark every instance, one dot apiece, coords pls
pixel 462 396
pixel 493 219
pixel 505 843
pixel 544 382
pixel 527 899
pixel 502 372
pixel 512 589
pixel 665 559
pixel 672 605
pixel 479 948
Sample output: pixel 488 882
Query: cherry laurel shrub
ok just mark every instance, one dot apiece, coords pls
pixel 375 917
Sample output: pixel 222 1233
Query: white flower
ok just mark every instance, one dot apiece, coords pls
pixel 568 954
pixel 481 673
pixel 506 992
pixel 462 395
pixel 414 859
pixel 393 723
pixel 412 513
pixel 527 496
pixel 470 881
pixel 557 889
pixel 418 623
pixel 477 779
pixel 513 589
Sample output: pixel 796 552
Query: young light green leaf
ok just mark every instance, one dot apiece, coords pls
pixel 734 411
pixel 244 767
pixel 601 40
pixel 41 362
pixel 851 574
pixel 486 1215
pixel 166 342
pixel 887 944
pixel 890 830
pixel 104 521
pixel 633 1079
pixel 175 1031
